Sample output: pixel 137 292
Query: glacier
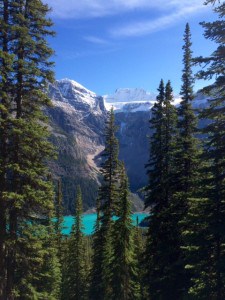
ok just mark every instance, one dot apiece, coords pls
pixel 71 95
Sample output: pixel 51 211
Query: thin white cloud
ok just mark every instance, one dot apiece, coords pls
pixel 150 26
pixel 72 55
pixel 96 40
pixel 97 8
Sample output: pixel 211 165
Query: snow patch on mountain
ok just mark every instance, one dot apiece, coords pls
pixel 70 95
pixel 130 100
pixel 72 90
pixel 201 101
pixel 133 106
pixel 133 100
pixel 129 95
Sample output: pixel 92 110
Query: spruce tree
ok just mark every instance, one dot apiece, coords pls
pixel 187 156
pixel 197 246
pixel 75 277
pixel 96 270
pixel 162 268
pixel 5 72
pixel 59 219
pixel 108 203
pixel 209 280
pixel 124 275
pixel 25 193
pixel 155 163
pixel 139 247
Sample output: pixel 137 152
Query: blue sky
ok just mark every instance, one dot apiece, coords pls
pixel 110 44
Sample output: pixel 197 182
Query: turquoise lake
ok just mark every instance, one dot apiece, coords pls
pixel 89 222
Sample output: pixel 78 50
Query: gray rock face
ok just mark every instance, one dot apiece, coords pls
pixel 133 132
pixel 77 123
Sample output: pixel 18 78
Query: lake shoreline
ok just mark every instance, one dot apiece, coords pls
pixel 94 211
pixel 89 221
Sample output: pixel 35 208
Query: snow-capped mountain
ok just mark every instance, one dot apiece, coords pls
pixel 77 122
pixel 77 125
pixel 200 101
pixel 72 96
pixel 130 100
pixel 129 95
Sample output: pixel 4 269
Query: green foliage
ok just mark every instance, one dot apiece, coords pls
pixel 187 143
pixel 107 201
pixel 114 268
pixel 162 268
pixel 125 267
pixel 155 163
pixel 188 156
pixel 139 247
pixel 184 253
pixel 59 218
pixel 37 270
pixel 209 279
pixel 75 275
pixel 25 192
pixel 197 247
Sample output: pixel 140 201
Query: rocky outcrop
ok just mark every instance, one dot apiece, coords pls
pixel 77 123
pixel 133 132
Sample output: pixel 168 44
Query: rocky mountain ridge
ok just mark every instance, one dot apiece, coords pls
pixel 77 123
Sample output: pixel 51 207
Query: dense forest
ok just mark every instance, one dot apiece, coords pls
pixel 181 255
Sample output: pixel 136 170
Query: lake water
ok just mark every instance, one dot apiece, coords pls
pixel 89 222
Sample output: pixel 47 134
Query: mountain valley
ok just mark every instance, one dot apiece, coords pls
pixel 77 122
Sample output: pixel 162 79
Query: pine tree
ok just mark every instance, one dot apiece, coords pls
pixel 59 219
pixel 88 262
pixel 6 68
pixel 75 281
pixel 108 200
pixel 209 280
pixel 162 276
pixel 39 272
pixel 124 265
pixel 27 193
pixel 96 270
pixel 197 247
pixel 187 157
pixel 139 247
pixel 155 164
pixel 188 154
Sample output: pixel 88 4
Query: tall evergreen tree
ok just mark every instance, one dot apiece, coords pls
pixel 163 269
pixel 139 247
pixel 108 199
pixel 59 219
pixel 188 154
pixel 155 163
pixel 96 270
pixel 25 193
pixel 6 60
pixel 75 281
pixel 209 280
pixel 124 284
